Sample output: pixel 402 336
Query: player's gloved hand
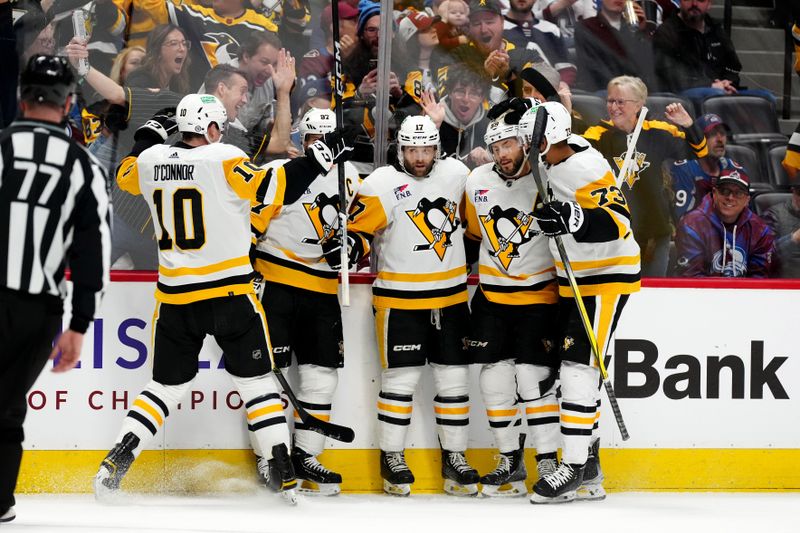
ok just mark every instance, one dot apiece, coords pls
pixel 335 147
pixel 159 127
pixel 517 105
pixel 332 250
pixel 559 218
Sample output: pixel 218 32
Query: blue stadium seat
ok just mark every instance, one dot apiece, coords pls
pixel 657 103
pixel 592 107
pixel 764 201
pixel 747 157
pixel 778 175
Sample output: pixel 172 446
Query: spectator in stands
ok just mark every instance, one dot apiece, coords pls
pixel 607 46
pixel 128 60
pixel 791 161
pixel 166 61
pixel 318 63
pixel 643 185
pixel 460 116
pixel 524 30
pixel 259 57
pixel 692 179
pixel 784 219
pixel 543 83
pixel 566 14
pixel 454 24
pixel 418 38
pixel 143 17
pixel 723 237
pixel 292 18
pixel 695 57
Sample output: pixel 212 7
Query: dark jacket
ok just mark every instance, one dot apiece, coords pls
pixel 707 247
pixel 458 139
pixel 686 58
pixel 603 53
pixel 784 220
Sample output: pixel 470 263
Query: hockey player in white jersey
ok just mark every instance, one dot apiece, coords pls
pixel 513 311
pixel 299 258
pixel 410 210
pixel 589 211
pixel 204 196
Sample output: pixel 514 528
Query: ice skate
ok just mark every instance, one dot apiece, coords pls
pixel 114 467
pixel 314 478
pixel 592 487
pixel 278 474
pixel 397 477
pixel 546 463
pixel 8 515
pixel 560 486
pixel 508 479
pixel 460 479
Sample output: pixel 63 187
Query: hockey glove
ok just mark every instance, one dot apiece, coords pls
pixel 332 250
pixel 559 218
pixel 518 106
pixel 158 128
pixel 335 147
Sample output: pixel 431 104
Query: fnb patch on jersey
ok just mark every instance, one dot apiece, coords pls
pixel 481 195
pixel 402 192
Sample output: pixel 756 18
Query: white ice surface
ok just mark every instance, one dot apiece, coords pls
pixel 262 512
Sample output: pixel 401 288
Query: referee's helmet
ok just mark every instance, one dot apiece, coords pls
pixel 48 79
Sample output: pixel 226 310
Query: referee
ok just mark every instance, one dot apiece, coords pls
pixel 54 213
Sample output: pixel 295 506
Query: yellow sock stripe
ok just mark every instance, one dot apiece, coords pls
pixel 152 411
pixel 541 409
pixel 578 420
pixel 451 410
pixel 500 412
pixel 264 411
pixel 326 418
pixel 394 408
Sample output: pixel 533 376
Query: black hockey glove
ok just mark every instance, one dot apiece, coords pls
pixel 559 218
pixel 335 147
pixel 332 250
pixel 158 128
pixel 518 106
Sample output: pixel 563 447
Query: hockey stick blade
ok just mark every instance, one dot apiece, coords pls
pixel 333 431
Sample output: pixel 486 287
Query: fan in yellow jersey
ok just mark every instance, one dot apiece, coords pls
pixel 300 300
pixel 513 310
pixel 587 208
pixel 409 213
pixel 201 193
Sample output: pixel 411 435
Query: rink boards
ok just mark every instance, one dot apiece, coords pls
pixel 707 376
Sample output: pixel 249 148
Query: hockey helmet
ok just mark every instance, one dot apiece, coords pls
pixel 557 128
pixel 196 112
pixel 317 122
pixel 48 79
pixel 499 129
pixel 418 131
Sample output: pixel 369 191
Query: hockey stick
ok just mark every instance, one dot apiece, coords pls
pixel 338 89
pixel 334 431
pixel 623 171
pixel 533 159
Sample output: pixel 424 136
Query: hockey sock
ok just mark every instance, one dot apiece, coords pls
pixel 578 409
pixel 394 406
pixel 315 392
pixel 149 411
pixel 451 405
pixel 538 392
pixel 498 387
pixel 266 420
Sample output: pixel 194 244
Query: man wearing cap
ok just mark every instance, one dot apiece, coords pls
pixel 542 82
pixel 723 238
pixel 784 219
pixel 692 179
pixel 318 63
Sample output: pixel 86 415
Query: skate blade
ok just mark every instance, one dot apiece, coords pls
pixel 9 515
pixel 457 489
pixel 402 489
pixel 310 488
pixel 563 498
pixel 289 496
pixel 515 489
pixel 590 493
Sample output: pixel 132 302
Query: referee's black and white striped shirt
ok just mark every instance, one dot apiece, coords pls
pixel 54 213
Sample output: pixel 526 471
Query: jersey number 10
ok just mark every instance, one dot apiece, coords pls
pixel 197 238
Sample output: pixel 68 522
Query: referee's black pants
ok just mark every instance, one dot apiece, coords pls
pixel 28 325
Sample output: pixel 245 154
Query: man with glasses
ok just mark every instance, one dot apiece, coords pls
pixel 723 238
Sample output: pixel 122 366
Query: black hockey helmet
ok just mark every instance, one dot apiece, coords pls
pixel 46 79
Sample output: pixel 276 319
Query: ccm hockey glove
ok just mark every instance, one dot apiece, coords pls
pixel 332 250
pixel 158 128
pixel 559 218
pixel 335 147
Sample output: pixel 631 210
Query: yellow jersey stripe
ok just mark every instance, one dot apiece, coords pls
pixel 204 294
pixel 422 277
pixel 611 261
pixel 208 269
pixel 419 303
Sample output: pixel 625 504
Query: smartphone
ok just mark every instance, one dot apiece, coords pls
pixel 373 64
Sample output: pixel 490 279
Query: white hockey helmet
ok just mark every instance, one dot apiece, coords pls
pixel 417 131
pixel 196 112
pixel 317 122
pixel 499 129
pixel 557 128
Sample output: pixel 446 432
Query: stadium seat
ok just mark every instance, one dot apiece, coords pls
pixel 657 103
pixel 592 107
pixel 778 175
pixel 747 157
pixel 764 201
pixel 751 119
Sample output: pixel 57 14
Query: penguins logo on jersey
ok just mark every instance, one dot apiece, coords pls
pixel 638 165
pixel 507 230
pixel 221 46
pixel 323 213
pixel 436 220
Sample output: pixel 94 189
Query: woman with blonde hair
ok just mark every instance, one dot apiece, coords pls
pixel 126 62
pixel 643 185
